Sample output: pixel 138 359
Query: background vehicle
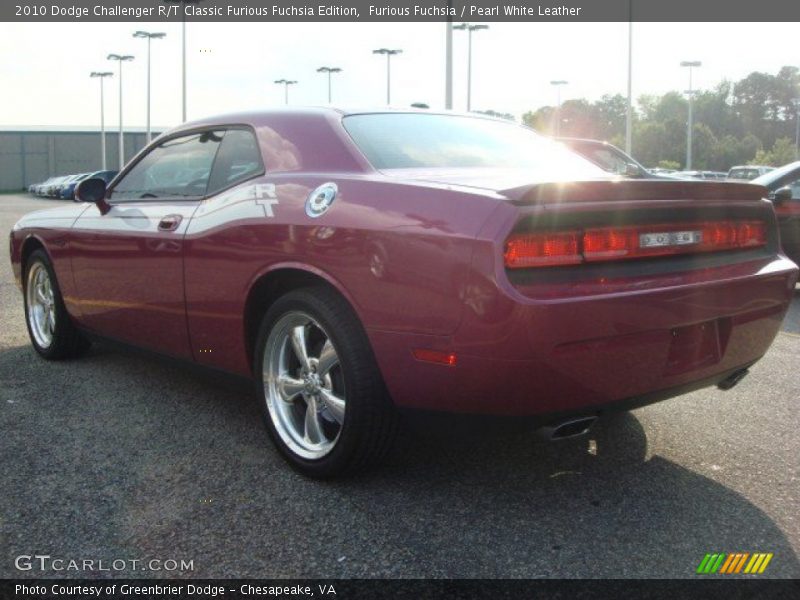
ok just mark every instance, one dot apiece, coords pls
pixel 65 181
pixel 784 191
pixel 356 263
pixel 748 172
pixel 700 175
pixel 51 190
pixel 40 188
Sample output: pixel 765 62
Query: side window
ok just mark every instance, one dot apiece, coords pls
pixel 178 168
pixel 610 161
pixel 238 159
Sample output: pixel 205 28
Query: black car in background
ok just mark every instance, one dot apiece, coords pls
pixel 783 184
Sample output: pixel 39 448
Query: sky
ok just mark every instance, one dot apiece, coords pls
pixel 44 67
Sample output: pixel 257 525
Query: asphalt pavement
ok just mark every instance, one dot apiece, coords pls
pixel 119 456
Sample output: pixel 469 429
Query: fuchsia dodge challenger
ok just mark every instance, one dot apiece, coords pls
pixel 357 263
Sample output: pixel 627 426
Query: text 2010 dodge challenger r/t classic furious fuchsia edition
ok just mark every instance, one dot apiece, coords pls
pixel 356 263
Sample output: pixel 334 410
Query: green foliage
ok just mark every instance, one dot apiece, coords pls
pixel 732 123
pixel 669 164
pixel 782 152
pixel 494 113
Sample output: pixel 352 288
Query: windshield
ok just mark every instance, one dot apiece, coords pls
pixel 410 140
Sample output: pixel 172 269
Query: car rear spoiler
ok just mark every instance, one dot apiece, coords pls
pixel 627 189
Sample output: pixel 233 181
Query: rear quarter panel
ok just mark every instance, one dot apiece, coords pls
pixel 400 253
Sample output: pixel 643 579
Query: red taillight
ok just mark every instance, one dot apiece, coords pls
pixel 640 241
pixel 543 249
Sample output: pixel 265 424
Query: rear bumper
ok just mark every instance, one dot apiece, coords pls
pixel 522 356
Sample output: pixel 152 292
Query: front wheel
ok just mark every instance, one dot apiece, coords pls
pixel 322 396
pixel 51 330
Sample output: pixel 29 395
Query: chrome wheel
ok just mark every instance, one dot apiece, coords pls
pixel 41 305
pixel 304 385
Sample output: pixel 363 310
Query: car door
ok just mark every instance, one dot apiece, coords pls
pixel 128 262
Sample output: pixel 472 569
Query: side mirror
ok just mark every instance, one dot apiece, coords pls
pixel 93 190
pixel 632 170
pixel 781 195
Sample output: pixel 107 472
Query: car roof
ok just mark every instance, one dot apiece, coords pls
pixel 263 117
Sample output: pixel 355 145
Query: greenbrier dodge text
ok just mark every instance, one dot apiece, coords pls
pixel 205 591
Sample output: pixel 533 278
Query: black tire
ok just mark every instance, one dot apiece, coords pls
pixel 67 340
pixel 370 423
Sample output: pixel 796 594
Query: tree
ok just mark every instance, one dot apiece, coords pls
pixel 782 152
pixel 732 123
pixel 705 148
pixel 669 164
pixel 494 113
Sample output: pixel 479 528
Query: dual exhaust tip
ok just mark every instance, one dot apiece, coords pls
pixel 567 429
pixel 579 426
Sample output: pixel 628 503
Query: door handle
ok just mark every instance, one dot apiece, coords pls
pixel 169 223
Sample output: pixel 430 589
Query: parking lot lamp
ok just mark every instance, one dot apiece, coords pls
pixel 629 107
pixel 469 29
pixel 389 53
pixel 558 83
pixel 148 36
pixel 120 58
pixel 183 52
pixel 796 103
pixel 285 83
pixel 329 70
pixel 101 75
pixel 691 64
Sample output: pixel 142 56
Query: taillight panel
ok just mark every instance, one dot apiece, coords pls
pixel 604 244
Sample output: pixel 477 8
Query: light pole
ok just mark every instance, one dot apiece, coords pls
pixel 148 36
pixel 102 75
pixel 448 60
pixel 469 29
pixel 120 58
pixel 690 92
pixel 796 103
pixel 285 83
pixel 329 70
pixel 389 53
pixel 629 109
pixel 558 83
pixel 183 54
pixel 183 51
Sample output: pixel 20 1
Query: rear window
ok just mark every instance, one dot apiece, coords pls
pixel 409 140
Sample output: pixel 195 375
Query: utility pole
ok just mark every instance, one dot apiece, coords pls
pixel 101 76
pixel 469 29
pixel 389 53
pixel 691 64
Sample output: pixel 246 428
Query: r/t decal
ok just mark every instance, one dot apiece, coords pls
pixel 266 197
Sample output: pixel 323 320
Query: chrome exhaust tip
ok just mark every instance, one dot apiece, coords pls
pixel 731 380
pixel 568 429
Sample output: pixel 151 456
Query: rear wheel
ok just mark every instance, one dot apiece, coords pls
pixel 322 396
pixel 51 330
